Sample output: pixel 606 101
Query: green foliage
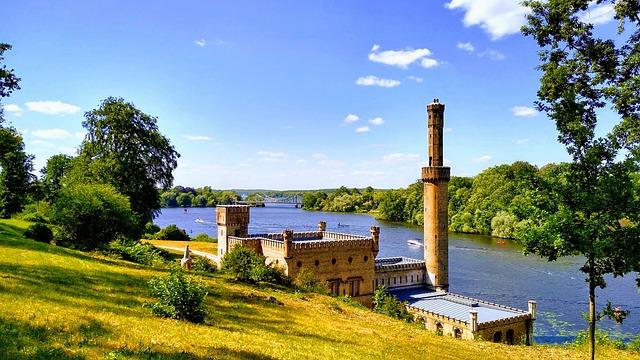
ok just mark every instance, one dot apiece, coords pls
pixel 180 196
pixel 35 212
pixel 245 265
pixel 203 264
pixel 503 225
pixel 602 338
pixel 180 297
pixel 172 232
pixel 16 180
pixel 124 148
pixel 634 344
pixel 39 232
pixel 387 304
pixel 90 216
pixel 307 281
pixel 53 173
pixel 151 228
pixel 202 237
pixel 137 252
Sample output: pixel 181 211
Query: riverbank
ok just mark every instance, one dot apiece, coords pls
pixel 65 304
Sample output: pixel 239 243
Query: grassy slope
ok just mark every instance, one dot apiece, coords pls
pixel 193 245
pixel 60 303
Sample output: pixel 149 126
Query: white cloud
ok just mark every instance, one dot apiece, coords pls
pixel 497 17
pixel 198 137
pixel 428 63
pixel 399 58
pixel 468 47
pixel 598 14
pixel 520 141
pixel 51 133
pixel 201 42
pixel 524 111
pixel 13 109
pixel 363 129
pixel 483 158
pixel 492 54
pixel 400 157
pixel 351 118
pixel 52 107
pixel 415 78
pixel 376 81
pixel 376 121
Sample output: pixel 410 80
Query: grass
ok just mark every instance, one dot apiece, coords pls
pixel 193 245
pixel 64 304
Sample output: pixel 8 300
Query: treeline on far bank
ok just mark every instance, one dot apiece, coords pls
pixel 496 202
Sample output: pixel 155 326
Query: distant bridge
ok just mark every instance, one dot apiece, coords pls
pixel 261 200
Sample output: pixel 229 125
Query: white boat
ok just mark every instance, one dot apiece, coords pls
pixel 414 242
pixel 200 221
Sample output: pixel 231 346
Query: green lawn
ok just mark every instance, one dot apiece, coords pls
pixel 58 303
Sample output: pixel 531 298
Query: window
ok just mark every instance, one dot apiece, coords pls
pixel 350 259
pixel 394 280
pixel 299 264
pixel 457 333
pixel 509 336
pixel 366 258
pixel 333 261
pixel 334 287
pixel 497 337
pixel 439 330
pixel 317 262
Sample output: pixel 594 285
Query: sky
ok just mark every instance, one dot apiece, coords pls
pixel 288 94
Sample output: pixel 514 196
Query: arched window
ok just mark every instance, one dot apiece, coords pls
pixel 317 262
pixel 497 336
pixel 438 328
pixel 350 259
pixel 333 261
pixel 509 336
pixel 457 333
pixel 366 258
pixel 299 264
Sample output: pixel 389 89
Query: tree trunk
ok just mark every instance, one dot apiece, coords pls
pixel 592 317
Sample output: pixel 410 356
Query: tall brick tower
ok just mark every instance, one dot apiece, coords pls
pixel 232 220
pixel 436 202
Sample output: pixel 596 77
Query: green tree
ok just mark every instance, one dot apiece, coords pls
pixel 580 75
pixel 16 180
pixel 89 216
pixel 8 80
pixel 124 147
pixel 53 173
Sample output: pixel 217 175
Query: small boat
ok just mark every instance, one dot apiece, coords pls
pixel 200 221
pixel 413 242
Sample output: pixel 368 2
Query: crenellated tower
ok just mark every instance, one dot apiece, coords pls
pixel 436 201
pixel 232 220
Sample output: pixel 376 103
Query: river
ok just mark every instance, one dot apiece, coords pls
pixel 479 266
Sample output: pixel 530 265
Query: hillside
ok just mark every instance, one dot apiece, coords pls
pixel 63 304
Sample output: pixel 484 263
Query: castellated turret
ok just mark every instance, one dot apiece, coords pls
pixel 436 201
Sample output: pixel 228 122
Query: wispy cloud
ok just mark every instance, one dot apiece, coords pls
pixel 598 14
pixel 429 63
pixel 520 141
pixel 492 55
pixel 271 156
pixel 415 78
pixel 52 107
pixel 363 129
pixel 201 42
pixel 351 118
pixel 13 109
pixel 399 58
pixel 198 137
pixel 51 133
pixel 523 111
pixel 400 157
pixel 483 158
pixel 376 121
pixel 467 46
pixel 497 17
pixel 376 81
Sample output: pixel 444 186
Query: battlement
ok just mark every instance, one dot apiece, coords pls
pixel 436 174
pixel 399 263
pixel 302 241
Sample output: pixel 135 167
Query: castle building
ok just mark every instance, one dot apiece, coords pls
pixel 349 264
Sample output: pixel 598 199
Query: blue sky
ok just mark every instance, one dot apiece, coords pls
pixel 287 94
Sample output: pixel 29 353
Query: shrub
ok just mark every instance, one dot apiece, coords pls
pixel 244 264
pixel 179 297
pixel 202 237
pixel 137 252
pixel 385 303
pixel 199 263
pixel 35 212
pixel 39 232
pixel 503 225
pixel 306 281
pixel 151 228
pixel 172 232
pixel 89 216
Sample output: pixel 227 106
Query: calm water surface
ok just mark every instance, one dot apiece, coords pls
pixel 479 266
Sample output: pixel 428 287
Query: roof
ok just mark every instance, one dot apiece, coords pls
pixel 455 306
pixel 398 263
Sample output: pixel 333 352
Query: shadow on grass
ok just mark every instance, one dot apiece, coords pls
pixel 212 353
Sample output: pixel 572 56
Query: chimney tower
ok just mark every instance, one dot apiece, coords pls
pixel 436 202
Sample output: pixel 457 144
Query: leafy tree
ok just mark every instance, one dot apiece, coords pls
pixel 53 174
pixel 16 180
pixel 8 80
pixel 172 232
pixel 388 304
pixel 124 147
pixel 184 199
pixel 89 216
pixel 580 75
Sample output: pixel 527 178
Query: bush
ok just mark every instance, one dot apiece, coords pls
pixel 306 281
pixel 137 252
pixel 89 216
pixel 172 232
pixel 388 304
pixel 151 228
pixel 179 297
pixel 202 237
pixel 244 264
pixel 39 232
pixel 35 212
pixel 199 263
